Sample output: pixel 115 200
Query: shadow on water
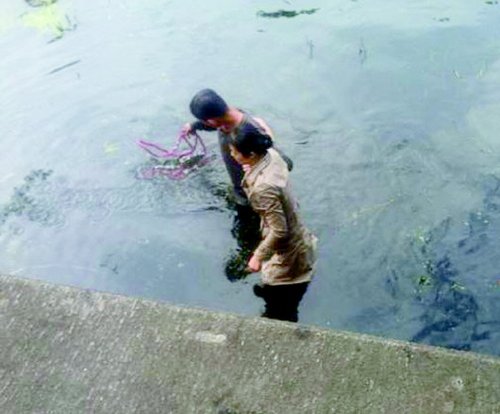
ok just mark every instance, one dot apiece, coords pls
pixel 452 315
pixel 284 13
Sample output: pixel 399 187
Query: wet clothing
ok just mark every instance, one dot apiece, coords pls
pixel 235 170
pixel 282 301
pixel 287 248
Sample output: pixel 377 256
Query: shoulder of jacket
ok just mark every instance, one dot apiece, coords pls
pixel 265 189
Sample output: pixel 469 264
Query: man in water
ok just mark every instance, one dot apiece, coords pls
pixel 214 114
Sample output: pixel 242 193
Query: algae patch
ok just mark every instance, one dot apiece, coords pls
pixel 49 19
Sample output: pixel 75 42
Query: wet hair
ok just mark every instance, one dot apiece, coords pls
pixel 251 140
pixel 207 104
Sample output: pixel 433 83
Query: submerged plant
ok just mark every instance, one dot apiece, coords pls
pixel 40 3
pixel 284 13
pixel 50 18
pixel 22 201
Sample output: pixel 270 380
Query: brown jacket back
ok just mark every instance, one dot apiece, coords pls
pixel 287 247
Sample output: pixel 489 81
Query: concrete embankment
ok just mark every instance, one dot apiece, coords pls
pixel 65 350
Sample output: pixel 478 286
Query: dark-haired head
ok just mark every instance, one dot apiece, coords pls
pixel 252 141
pixel 207 104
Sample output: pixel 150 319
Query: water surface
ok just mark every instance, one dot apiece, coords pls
pixel 389 111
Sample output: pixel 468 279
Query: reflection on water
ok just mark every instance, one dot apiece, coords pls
pixel 390 114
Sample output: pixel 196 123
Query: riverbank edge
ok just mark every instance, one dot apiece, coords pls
pixel 68 350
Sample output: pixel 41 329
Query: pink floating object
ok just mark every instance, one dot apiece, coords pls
pixel 188 154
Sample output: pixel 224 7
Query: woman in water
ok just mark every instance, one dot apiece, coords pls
pixel 286 254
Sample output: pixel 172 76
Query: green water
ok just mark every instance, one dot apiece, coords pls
pixel 390 111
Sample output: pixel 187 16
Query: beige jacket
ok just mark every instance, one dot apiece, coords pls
pixel 287 248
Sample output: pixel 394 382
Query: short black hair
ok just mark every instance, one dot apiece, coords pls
pixel 207 104
pixel 251 140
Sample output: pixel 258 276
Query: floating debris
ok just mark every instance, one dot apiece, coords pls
pixel 110 148
pixel 67 65
pixel 284 13
pixel 362 53
pixel 50 18
pixel 40 3
pixel 424 280
pixel 310 45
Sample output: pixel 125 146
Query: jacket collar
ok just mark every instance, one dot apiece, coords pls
pixel 251 175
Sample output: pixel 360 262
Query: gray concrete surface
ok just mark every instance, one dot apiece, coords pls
pixel 65 350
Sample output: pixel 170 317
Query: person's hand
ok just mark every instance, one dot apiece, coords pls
pixel 187 129
pixel 246 167
pixel 254 264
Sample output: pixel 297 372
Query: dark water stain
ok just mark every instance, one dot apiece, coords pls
pixel 302 332
pixel 284 13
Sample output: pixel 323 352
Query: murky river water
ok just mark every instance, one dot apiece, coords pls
pixel 389 110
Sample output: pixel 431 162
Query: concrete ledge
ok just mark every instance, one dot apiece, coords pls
pixel 65 350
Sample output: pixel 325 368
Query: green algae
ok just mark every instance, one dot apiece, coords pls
pixel 50 18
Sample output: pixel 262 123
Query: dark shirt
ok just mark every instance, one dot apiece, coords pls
pixel 248 124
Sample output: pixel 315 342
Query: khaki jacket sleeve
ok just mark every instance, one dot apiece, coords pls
pixel 266 201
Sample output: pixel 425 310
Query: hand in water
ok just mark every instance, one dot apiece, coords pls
pixel 254 264
pixel 187 129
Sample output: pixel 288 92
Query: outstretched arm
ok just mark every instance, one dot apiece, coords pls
pixel 192 127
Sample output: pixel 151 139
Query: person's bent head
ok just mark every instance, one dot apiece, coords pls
pixel 249 146
pixel 207 105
